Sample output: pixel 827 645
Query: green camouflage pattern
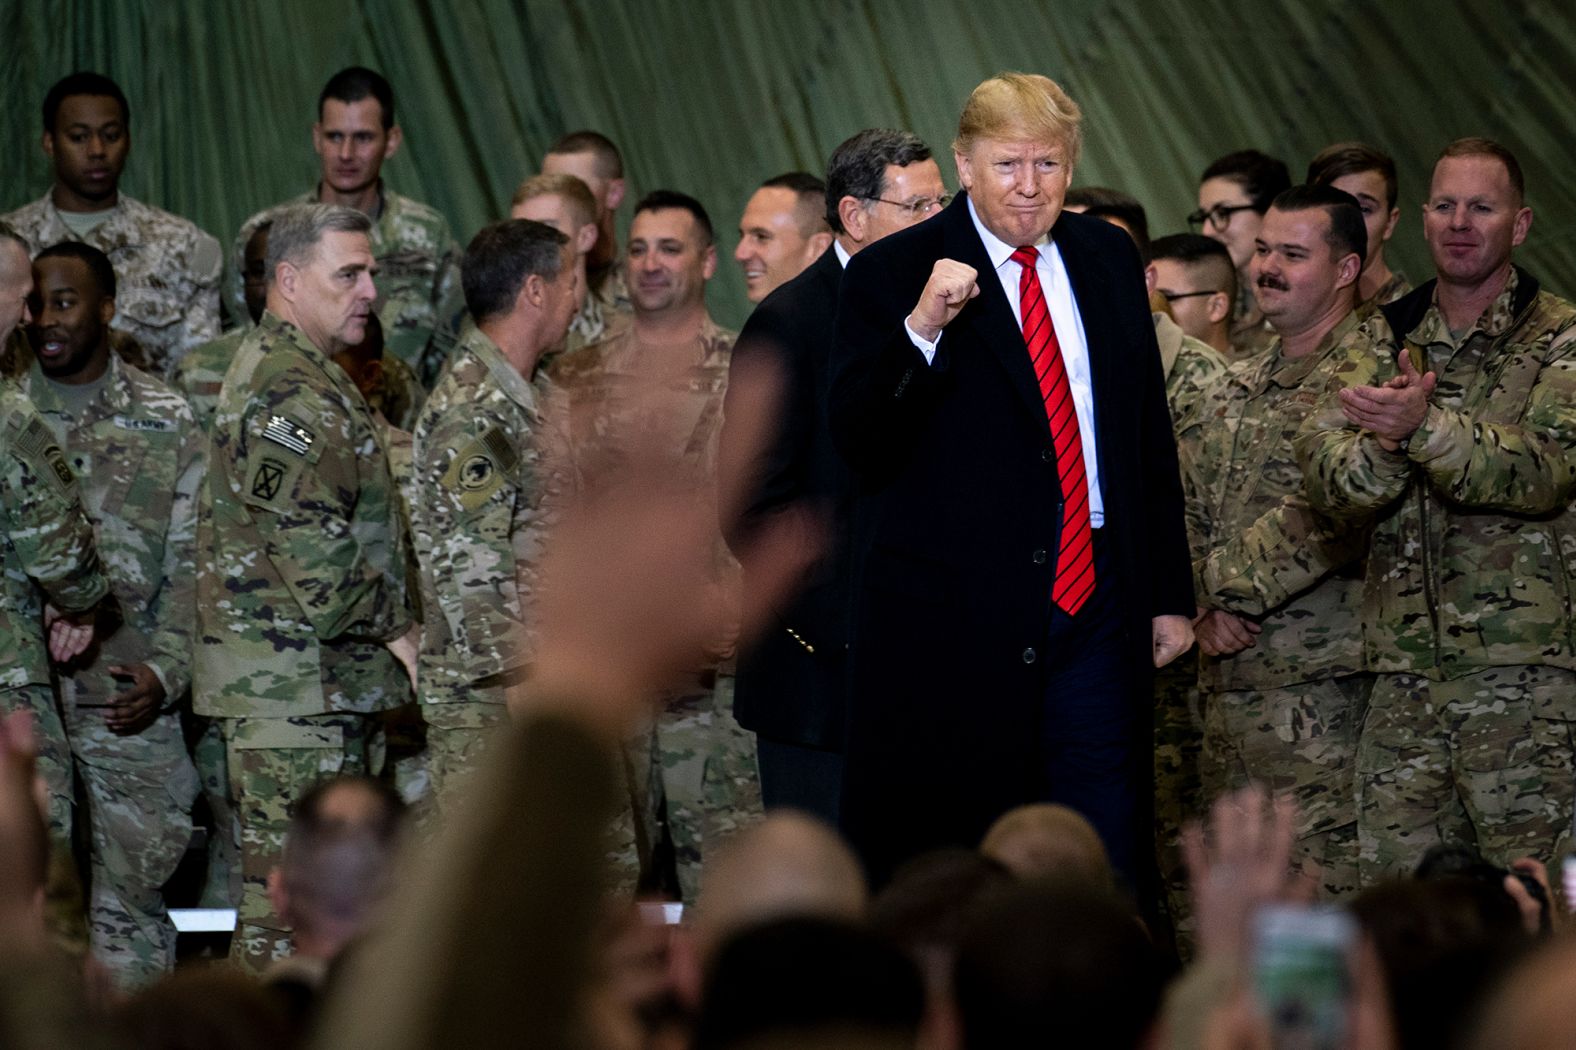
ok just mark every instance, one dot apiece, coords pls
pixel 458 733
pixel 702 767
pixel 1298 740
pixel 272 762
pixel 418 279
pixel 1271 557
pixel 478 524
pixel 166 276
pixel 1480 760
pixel 398 396
pixel 221 887
pixel 139 456
pixel 1470 565
pixel 1388 292
pixel 1190 367
pixel 199 376
pixel 302 549
pixel 705 777
pixel 47 553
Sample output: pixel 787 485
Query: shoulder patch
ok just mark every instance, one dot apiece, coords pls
pixel 293 435
pixel 480 468
pixel 37 442
pixel 272 480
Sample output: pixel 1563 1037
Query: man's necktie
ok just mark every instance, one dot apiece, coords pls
pixel 1075 558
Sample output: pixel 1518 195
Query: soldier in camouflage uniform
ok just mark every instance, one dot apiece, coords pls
pixel 477 517
pixel 167 268
pixel 1191 367
pixel 591 157
pixel 1233 195
pixel 301 568
pixel 660 386
pixel 1457 427
pixel 418 262
pixel 565 203
pixel 133 442
pixel 1281 672
pixel 47 554
pixel 1369 176
pixel 200 374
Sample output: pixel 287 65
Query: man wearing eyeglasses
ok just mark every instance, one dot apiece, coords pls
pixel 1233 194
pixel 782 231
pixel 1020 560
pixel 1195 277
pixel 791 684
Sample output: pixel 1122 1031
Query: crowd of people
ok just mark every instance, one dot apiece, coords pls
pixel 1002 638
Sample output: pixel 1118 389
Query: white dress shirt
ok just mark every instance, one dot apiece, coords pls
pixel 1069 333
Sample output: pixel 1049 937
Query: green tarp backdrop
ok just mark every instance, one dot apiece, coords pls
pixel 713 96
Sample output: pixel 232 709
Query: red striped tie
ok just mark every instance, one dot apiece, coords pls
pixel 1075 560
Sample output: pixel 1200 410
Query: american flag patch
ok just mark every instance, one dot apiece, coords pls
pixel 282 430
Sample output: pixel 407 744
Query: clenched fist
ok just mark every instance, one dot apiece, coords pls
pixel 952 284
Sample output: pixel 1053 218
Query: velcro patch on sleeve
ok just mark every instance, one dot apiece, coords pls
pixel 480 469
pixel 291 433
pixel 38 442
pixel 271 481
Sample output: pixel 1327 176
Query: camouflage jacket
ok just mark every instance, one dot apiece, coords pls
pixel 166 275
pixel 139 455
pixel 301 547
pixel 199 375
pixel 613 401
pixel 1262 552
pixel 46 542
pixel 476 518
pixel 1388 292
pixel 418 279
pixel 1472 556
pixel 1190 366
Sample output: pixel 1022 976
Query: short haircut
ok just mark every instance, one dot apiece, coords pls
pixel 1474 146
pixel 97 262
pixel 858 166
pixel 1021 106
pixel 334 868
pixel 11 233
pixel 356 83
pixel 609 161
pixel 500 258
pixel 661 200
pixel 1195 249
pixel 1102 202
pixel 1348 235
pixel 299 228
pixel 1354 158
pixel 83 83
pixel 810 980
pixel 571 188
pixel 810 194
pixel 1260 175
pixel 1056 965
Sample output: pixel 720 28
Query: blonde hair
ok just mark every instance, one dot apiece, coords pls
pixel 1021 106
pixel 570 187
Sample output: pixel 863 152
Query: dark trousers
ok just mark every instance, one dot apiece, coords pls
pixel 1086 732
pixel 802 778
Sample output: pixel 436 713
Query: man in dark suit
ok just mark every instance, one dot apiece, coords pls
pixel 791 685
pixel 1019 556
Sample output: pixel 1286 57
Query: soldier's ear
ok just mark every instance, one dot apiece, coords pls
pixel 106 309
pixel 49 145
pixel 615 193
pixel 1219 307
pixel 533 290
pixel 1151 277
pixel 585 240
pixel 709 268
pixel 396 139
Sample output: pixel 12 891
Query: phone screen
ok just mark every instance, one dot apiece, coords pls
pixel 1302 974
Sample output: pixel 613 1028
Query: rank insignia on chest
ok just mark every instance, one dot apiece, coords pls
pixel 285 431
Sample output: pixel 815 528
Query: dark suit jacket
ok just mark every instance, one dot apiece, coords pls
pixel 785 691
pixel 957 517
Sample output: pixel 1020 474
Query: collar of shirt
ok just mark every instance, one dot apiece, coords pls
pixel 842 253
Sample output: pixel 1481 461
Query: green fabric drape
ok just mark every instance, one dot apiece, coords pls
pixel 714 96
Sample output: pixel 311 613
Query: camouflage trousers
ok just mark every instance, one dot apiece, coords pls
pixel 1179 786
pixel 1298 740
pixel 696 767
pixel 63 911
pixel 273 761
pixel 1483 761
pixel 457 739
pixel 221 886
pixel 138 793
